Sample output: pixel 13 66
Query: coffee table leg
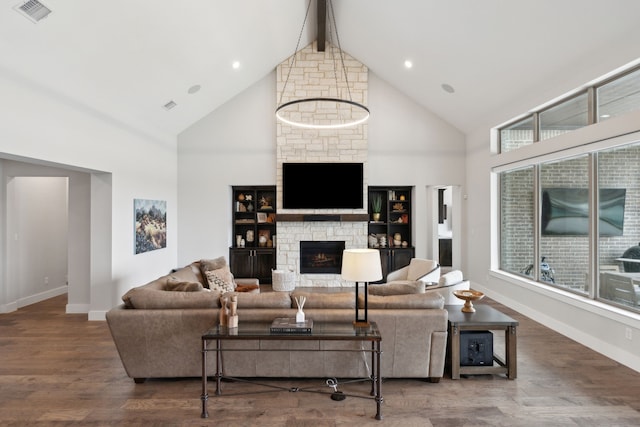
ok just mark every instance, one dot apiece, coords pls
pixel 454 339
pixel 511 347
pixel 204 396
pixel 218 363
pixel 378 373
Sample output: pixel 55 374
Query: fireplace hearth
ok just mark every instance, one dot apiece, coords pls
pixel 321 257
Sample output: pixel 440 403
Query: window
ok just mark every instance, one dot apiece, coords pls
pixel 517 221
pixel 619 96
pixel 564 222
pixel 569 115
pixel 516 135
pixel 619 250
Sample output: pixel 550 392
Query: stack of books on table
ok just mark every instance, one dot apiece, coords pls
pixel 288 325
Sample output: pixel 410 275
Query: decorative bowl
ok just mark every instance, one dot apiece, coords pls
pixel 468 296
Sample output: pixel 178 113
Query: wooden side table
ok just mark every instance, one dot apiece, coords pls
pixel 485 318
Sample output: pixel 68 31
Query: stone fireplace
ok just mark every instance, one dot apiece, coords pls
pixel 321 257
pixel 313 76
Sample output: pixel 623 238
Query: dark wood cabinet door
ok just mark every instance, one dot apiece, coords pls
pixel 264 262
pixel 400 258
pixel 252 263
pixel 241 262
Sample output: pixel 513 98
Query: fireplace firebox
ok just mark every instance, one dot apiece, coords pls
pixel 321 257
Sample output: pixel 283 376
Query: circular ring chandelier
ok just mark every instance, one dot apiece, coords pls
pixel 322 112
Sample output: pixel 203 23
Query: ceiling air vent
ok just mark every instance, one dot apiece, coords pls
pixel 169 105
pixel 32 10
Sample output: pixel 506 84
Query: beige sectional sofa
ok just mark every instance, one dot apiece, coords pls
pixel 158 332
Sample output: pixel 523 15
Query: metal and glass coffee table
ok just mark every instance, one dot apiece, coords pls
pixel 213 339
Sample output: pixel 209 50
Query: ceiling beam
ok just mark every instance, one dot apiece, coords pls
pixel 322 24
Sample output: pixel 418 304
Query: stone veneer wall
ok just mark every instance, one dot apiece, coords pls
pixel 313 76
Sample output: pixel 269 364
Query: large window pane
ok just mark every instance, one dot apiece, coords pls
pixel 516 221
pixel 516 135
pixel 564 223
pixel 570 115
pixel 619 183
pixel 619 96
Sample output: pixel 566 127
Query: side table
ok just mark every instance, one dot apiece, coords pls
pixel 485 318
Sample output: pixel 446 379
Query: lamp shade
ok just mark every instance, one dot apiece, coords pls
pixel 361 265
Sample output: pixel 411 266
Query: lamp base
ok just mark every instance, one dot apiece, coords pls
pixel 361 324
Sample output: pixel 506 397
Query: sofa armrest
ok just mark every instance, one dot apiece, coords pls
pixel 431 277
pixel 400 274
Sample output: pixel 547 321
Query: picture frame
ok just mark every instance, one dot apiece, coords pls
pixel 150 225
pixel 262 217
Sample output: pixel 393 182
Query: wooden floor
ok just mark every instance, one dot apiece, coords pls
pixel 62 370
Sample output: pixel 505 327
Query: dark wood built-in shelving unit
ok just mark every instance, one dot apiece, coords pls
pixel 253 216
pixel 396 218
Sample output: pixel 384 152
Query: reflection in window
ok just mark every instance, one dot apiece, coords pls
pixel 564 222
pixel 570 115
pixel 619 96
pixel 516 135
pixel 619 253
pixel 516 221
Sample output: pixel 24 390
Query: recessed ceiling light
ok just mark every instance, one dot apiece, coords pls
pixel 408 64
pixel 193 89
pixel 447 88
pixel 235 65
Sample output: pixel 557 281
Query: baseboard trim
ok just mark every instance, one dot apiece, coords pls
pixel 32 299
pixel 77 308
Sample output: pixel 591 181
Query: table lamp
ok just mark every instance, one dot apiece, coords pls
pixel 361 265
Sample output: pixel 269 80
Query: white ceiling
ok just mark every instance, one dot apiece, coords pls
pixel 126 59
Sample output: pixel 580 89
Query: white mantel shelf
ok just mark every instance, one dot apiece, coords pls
pixel 322 217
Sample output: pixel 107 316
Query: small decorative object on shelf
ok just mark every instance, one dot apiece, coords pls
pixel 376 207
pixel 468 296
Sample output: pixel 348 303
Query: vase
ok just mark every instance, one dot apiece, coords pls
pixel 376 216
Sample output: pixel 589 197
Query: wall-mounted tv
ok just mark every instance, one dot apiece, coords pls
pixel 565 211
pixel 322 185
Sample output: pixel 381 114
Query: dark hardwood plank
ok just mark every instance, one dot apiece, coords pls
pixel 62 370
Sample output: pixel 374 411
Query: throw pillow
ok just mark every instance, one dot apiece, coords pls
pixel 218 282
pixel 174 284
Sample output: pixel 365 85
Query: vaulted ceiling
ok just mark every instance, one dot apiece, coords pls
pixel 126 59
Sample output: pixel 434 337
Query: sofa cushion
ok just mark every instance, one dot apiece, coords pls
pixel 398 287
pixel 451 278
pixel 414 301
pixel 141 298
pixel 325 299
pixel 262 300
pixel 184 274
pixel 220 280
pixel 174 284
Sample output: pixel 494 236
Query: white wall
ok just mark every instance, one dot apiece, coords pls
pixel 37 226
pixel 235 145
pixel 42 127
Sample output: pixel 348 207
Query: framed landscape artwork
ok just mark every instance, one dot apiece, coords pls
pixel 150 217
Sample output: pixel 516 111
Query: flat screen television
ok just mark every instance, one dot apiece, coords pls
pixel 322 185
pixel 565 211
